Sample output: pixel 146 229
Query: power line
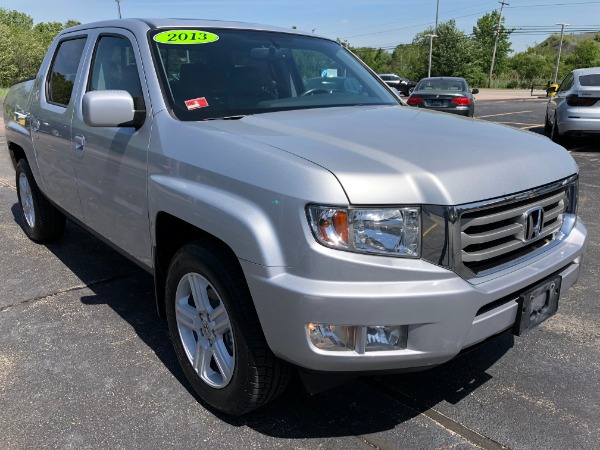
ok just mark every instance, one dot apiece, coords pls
pixel 412 26
pixel 545 5
pixel 448 17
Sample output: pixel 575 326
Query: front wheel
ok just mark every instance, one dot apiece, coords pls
pixel 216 332
pixel 42 222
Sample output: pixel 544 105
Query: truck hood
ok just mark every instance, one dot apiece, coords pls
pixel 392 155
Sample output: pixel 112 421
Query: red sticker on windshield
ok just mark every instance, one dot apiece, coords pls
pixel 196 103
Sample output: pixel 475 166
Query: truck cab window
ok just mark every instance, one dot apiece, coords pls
pixel 114 68
pixel 64 69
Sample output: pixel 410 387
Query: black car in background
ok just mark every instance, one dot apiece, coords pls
pixel 404 85
pixel 448 94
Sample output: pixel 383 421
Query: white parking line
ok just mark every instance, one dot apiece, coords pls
pixel 531 126
pixel 517 123
pixel 504 114
pixel 8 185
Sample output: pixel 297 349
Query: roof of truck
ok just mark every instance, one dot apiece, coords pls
pixel 143 25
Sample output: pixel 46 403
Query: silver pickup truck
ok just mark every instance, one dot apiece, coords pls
pixel 295 215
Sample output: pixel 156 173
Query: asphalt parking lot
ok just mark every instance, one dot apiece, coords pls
pixel 86 363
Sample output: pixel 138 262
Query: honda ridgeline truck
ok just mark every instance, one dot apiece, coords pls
pixel 293 213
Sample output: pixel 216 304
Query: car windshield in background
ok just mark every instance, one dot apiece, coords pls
pixel 590 80
pixel 441 85
pixel 218 73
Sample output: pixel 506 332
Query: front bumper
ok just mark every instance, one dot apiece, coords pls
pixel 443 312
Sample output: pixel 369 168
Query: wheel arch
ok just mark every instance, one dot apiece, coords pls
pixel 16 153
pixel 24 150
pixel 170 234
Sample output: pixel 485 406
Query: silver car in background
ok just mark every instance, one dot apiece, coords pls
pixel 575 109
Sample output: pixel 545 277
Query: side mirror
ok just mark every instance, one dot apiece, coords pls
pixel 551 90
pixel 108 109
pixel 475 91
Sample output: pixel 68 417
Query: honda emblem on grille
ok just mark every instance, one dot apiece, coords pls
pixel 533 223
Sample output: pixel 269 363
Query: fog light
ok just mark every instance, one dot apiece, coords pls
pixel 333 338
pixel 382 338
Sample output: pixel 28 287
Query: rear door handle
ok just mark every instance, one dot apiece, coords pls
pixel 35 127
pixel 79 144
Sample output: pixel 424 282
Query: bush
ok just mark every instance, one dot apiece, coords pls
pixel 23 46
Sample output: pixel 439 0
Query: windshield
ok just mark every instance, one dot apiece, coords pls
pixel 216 73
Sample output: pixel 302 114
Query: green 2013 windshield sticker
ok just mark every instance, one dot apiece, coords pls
pixel 186 37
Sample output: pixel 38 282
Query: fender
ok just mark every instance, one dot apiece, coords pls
pixel 244 226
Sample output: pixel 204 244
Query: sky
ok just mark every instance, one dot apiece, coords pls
pixel 375 23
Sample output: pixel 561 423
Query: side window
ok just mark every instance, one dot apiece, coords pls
pixel 567 83
pixel 114 68
pixel 62 74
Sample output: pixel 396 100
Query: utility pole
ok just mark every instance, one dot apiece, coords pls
pixel 562 32
pixel 431 36
pixel 496 42
pixel 119 7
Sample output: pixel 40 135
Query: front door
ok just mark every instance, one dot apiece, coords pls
pixel 111 161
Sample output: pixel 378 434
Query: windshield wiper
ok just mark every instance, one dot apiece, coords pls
pixel 237 117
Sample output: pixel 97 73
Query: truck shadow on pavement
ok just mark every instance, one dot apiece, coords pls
pixel 375 404
pixel 359 407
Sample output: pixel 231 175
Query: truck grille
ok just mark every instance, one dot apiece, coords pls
pixel 497 235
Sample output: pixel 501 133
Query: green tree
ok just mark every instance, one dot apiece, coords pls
pixel 23 45
pixel 586 54
pixel 532 67
pixel 452 53
pixel 8 69
pixel 15 19
pixel 484 38
pixel 410 61
pixel 376 58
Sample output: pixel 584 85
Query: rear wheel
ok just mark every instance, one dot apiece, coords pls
pixel 547 124
pixel 216 332
pixel 42 222
pixel 555 133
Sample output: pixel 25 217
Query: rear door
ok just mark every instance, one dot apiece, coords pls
pixel 50 119
pixel 111 162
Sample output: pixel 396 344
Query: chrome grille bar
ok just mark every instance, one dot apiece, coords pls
pixel 481 238
pixel 498 233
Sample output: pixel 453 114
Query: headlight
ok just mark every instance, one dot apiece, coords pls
pixel 389 231
pixel 572 197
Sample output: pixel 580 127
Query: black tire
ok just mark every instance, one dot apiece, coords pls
pixel 547 124
pixel 410 90
pixel 42 222
pixel 248 374
pixel 554 134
